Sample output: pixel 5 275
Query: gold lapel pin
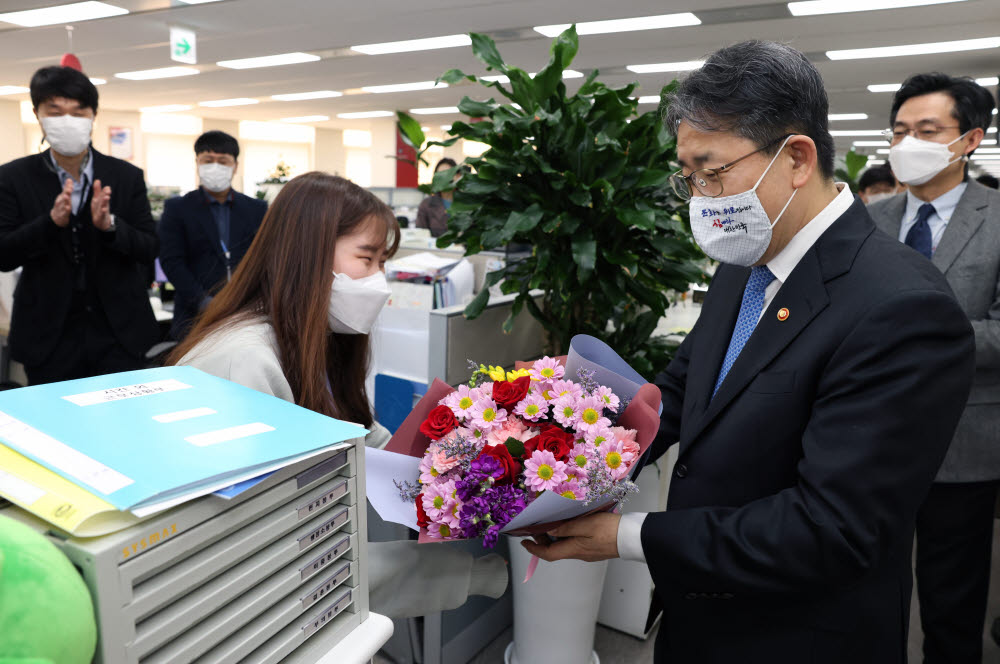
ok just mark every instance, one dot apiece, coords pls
pixel 783 314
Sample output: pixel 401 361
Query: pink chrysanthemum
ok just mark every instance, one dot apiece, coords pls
pixel 572 490
pixel 608 398
pixel 461 402
pixel 542 472
pixel 428 474
pixel 486 416
pixel 566 411
pixel 562 388
pixel 547 370
pixel 614 457
pixel 598 435
pixel 591 415
pixel 438 499
pixel 533 407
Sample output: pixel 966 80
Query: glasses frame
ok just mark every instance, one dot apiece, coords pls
pixel 890 134
pixel 677 178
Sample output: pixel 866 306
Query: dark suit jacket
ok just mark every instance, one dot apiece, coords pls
pixel 191 254
pixel 117 263
pixel 969 257
pixel 791 510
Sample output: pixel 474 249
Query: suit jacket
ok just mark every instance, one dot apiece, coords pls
pixel 191 254
pixel 969 257
pixel 432 215
pixel 791 511
pixel 117 263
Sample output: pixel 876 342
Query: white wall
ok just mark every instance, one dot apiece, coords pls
pixel 383 150
pixel 12 139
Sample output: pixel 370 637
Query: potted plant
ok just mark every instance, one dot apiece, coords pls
pixel 583 180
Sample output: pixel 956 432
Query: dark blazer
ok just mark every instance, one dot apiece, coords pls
pixel 432 215
pixel 791 511
pixel 191 254
pixel 117 263
pixel 969 257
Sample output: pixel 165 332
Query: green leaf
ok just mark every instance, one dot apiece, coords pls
pixel 478 303
pixel 444 180
pixel 410 130
pixel 476 109
pixel 484 48
pixel 652 177
pixel 855 163
pixel 644 219
pixel 585 252
pixel 580 197
pixel 453 76
pixel 522 222
pixel 515 447
pixel 563 51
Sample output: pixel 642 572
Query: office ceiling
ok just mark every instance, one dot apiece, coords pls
pixel 232 29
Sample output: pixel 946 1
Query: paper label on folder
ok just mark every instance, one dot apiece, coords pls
pixel 126 392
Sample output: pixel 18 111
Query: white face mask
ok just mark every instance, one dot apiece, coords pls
pixel 875 198
pixel 68 135
pixel 215 177
pixel 356 303
pixel 916 161
pixel 734 229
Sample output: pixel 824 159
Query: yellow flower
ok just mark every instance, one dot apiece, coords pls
pixel 496 373
pixel 568 494
pixel 514 375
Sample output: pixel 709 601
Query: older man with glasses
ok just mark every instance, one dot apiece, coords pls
pixel 937 122
pixel 813 401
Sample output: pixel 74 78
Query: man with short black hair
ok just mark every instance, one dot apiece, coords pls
pixel 205 233
pixel 937 122
pixel 813 401
pixel 78 224
pixel 876 184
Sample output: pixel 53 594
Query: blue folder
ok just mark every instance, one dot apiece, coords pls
pixel 143 438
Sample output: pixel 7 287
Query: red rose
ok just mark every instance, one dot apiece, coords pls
pixel 439 423
pixel 422 520
pixel 507 395
pixel 511 468
pixel 552 439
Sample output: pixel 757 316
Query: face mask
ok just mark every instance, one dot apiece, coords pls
pixel 356 303
pixel 68 135
pixel 734 229
pixel 875 198
pixel 915 161
pixel 215 177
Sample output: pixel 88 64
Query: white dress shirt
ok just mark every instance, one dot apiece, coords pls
pixel 781 266
pixel 81 184
pixel 944 207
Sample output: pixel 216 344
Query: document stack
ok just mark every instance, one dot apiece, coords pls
pixel 210 522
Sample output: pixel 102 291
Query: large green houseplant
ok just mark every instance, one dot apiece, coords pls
pixel 582 179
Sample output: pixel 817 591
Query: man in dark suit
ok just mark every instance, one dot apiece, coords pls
pixel 205 233
pixel 813 400
pixel 78 224
pixel 955 222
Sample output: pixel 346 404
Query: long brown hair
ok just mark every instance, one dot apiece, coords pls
pixel 286 275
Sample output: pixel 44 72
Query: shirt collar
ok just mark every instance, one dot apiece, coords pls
pixel 781 266
pixel 944 205
pixel 211 199
pixel 86 170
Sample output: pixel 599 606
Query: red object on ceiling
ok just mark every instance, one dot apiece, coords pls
pixel 71 61
pixel 406 174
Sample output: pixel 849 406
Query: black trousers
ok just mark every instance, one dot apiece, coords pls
pixel 87 347
pixel 954 545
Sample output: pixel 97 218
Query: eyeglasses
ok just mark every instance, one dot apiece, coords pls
pixel 708 181
pixel 923 132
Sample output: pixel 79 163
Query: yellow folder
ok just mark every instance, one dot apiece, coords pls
pixel 55 499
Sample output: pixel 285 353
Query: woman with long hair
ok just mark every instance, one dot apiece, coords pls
pixel 294 321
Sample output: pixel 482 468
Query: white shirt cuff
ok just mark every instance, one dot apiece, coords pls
pixel 630 537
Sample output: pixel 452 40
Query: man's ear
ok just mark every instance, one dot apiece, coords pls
pixel 802 150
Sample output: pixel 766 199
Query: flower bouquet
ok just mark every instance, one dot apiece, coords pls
pixel 517 451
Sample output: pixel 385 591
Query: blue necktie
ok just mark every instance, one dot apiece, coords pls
pixel 753 302
pixel 919 236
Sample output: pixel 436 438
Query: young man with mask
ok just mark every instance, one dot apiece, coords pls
pixel 937 122
pixel 876 184
pixel 78 224
pixel 813 401
pixel 205 233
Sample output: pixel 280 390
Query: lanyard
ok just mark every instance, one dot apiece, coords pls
pixel 229 267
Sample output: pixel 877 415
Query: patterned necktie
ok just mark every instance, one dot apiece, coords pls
pixel 753 302
pixel 919 236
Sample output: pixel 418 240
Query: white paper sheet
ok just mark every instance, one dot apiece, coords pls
pixel 381 468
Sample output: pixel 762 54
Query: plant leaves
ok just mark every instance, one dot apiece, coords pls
pixel 476 109
pixel 652 177
pixel 563 51
pixel 477 305
pixel 515 447
pixel 484 48
pixel 453 76
pixel 585 252
pixel 410 130
pixel 522 222
pixel 644 219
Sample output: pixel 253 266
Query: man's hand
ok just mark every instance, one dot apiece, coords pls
pixel 63 206
pixel 100 204
pixel 589 538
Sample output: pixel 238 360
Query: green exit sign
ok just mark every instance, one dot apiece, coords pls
pixel 183 46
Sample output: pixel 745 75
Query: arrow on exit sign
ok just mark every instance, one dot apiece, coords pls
pixel 183 46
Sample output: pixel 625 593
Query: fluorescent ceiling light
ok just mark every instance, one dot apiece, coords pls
pixel 649 99
pixel 876 162
pixel 436 110
pixel 915 49
pixel 446 127
pixel 991 130
pixel 987 150
pixel 98 81
pixel 168 108
pixel 623 24
pixel 572 73
pixel 162 72
pixel 568 73
pixel 365 114
pixel 404 87
pixel 814 7
pixel 197 2
pixel 269 61
pixel 665 67
pixel 994 111
pixel 429 44
pixel 71 13
pixel 869 144
pixel 885 87
pixel 219 103
pixel 848 116
pixel 883 151
pixel 301 96
pixel 307 118
pixel 13 90
pixel 425 129
pixel 857 132
pixel 988 81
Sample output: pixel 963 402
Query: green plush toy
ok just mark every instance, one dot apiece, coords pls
pixel 46 616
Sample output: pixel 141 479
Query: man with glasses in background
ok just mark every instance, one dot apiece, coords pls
pixel 937 122
pixel 813 401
